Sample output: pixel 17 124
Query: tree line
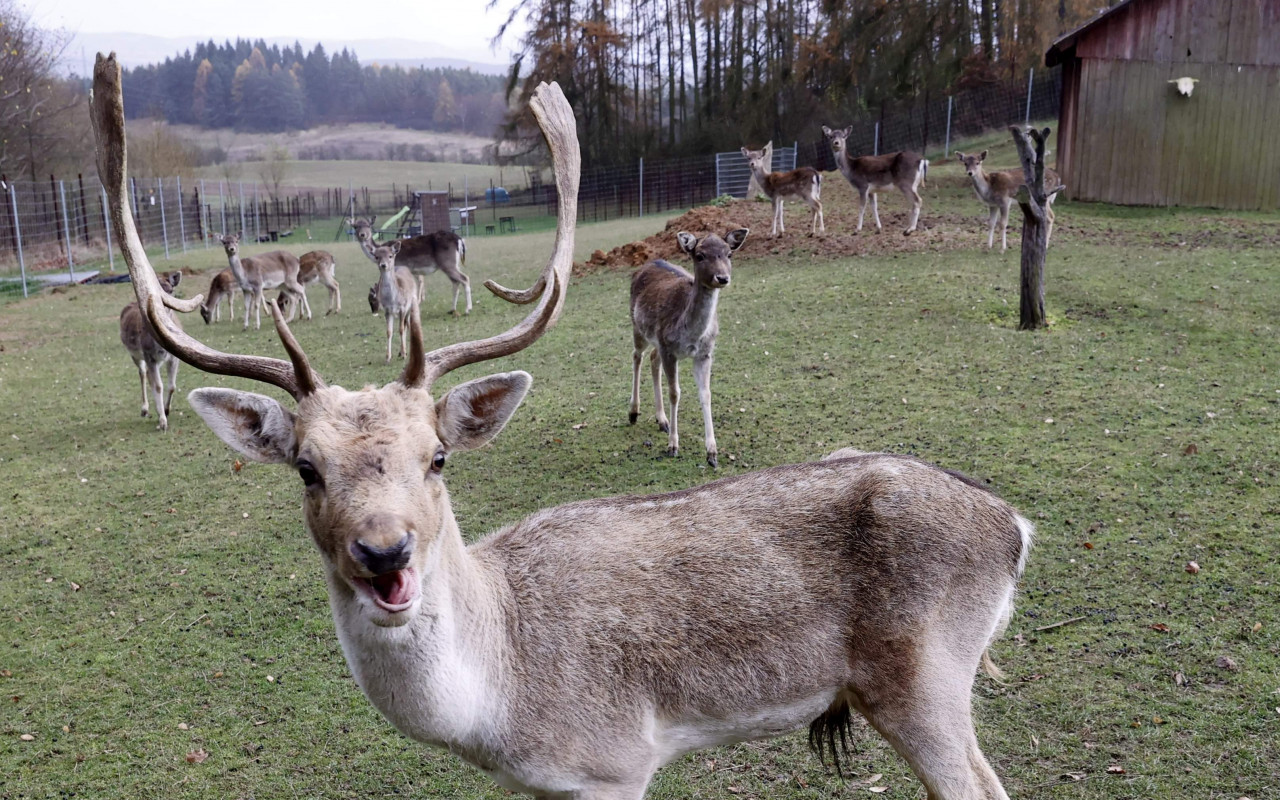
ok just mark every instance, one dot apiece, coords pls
pixel 690 76
pixel 253 86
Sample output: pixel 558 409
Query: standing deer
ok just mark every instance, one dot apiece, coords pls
pixel 423 255
pixel 266 271
pixel 316 266
pixel 138 337
pixel 395 293
pixel 904 171
pixel 999 189
pixel 802 183
pixel 675 313
pixel 223 285
pixel 575 652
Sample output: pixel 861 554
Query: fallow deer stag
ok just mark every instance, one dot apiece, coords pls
pixel 574 653
pixel 316 266
pixel 267 271
pixel 138 337
pixel 802 183
pixel 223 285
pixel 904 171
pixel 395 293
pixel 998 190
pixel 675 313
pixel 423 255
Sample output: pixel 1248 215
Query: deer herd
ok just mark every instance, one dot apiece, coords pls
pixel 574 653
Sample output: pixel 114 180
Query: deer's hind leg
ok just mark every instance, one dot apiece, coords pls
pixel 637 359
pixel 142 373
pixel 916 201
pixel 1004 225
pixel 157 393
pixel 673 396
pixel 171 370
pixel 460 281
pixel 655 368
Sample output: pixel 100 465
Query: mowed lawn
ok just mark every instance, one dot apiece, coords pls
pixel 166 630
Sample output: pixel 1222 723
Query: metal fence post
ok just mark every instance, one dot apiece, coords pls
pixel 946 150
pixel 17 232
pixel 164 225
pixel 182 223
pixel 875 149
pixel 257 218
pixel 204 214
pixel 106 226
pixel 222 206
pixel 242 208
pixel 71 264
pixel 1031 74
pixel 642 186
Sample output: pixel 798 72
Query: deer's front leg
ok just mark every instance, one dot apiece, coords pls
pixel 391 322
pixel 171 369
pixel 637 358
pixel 991 229
pixel 702 377
pixel 1004 225
pixel 655 367
pixel 875 212
pixel 142 373
pixel 157 391
pixel 673 395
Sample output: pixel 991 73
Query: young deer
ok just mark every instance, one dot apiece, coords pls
pixel 267 271
pixel 138 337
pixel 999 189
pixel 223 285
pixel 575 652
pixel 675 313
pixel 395 293
pixel 315 267
pixel 904 171
pixel 802 183
pixel 423 255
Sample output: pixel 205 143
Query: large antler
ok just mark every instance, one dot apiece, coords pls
pixel 555 117
pixel 107 112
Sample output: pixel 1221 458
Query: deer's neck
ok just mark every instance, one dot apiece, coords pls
pixel 438 679
pixel 700 316
pixel 238 271
pixel 981 185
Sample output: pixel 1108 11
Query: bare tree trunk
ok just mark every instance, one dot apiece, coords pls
pixel 1037 217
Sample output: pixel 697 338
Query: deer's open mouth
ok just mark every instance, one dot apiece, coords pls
pixel 392 591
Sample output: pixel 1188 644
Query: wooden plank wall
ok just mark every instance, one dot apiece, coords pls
pixel 1135 140
pixel 1238 32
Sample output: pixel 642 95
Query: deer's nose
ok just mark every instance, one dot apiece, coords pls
pixel 381 560
pixel 723 280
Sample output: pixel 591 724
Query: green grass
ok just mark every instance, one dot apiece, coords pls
pixel 381 175
pixel 196 581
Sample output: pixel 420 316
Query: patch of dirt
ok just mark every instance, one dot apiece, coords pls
pixel 935 232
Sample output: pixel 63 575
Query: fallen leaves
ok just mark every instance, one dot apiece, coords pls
pixel 237 465
pixel 1190 450
pixel 1226 662
pixel 1161 627
pixel 1115 769
pixel 1192 567
pixel 198 756
pixel 26 737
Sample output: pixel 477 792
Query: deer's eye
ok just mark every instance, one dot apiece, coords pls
pixel 437 462
pixel 308 473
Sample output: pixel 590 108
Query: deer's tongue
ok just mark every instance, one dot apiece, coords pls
pixel 395 588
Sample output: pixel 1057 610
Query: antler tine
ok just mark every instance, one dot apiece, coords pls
pixel 107 114
pixel 555 118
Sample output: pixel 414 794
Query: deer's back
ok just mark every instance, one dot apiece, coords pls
pixel 887 169
pixel 731 591
pixel 428 249
pixel 312 265
pixel 269 268
pixel 800 180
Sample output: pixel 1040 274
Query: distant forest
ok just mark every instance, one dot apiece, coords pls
pixel 252 86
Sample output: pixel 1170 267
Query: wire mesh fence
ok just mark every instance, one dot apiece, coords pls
pixel 61 226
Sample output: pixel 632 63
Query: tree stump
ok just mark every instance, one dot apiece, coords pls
pixel 1037 220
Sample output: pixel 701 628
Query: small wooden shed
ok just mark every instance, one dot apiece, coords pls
pixel 1127 134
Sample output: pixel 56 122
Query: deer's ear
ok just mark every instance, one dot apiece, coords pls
pixel 395 246
pixel 175 278
pixel 848 132
pixel 959 156
pixel 982 156
pixel 253 425
pixel 472 413
pixel 687 241
pixel 746 153
pixel 735 238
pixel 826 131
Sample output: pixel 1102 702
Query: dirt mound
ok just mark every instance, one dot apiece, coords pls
pixel 946 231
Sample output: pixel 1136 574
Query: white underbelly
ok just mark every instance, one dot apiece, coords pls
pixel 675 737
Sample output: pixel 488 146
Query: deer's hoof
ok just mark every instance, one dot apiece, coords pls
pixel 711 459
pixel 145 412
pixel 163 427
pixel 632 417
pixel 664 427
pixel 673 452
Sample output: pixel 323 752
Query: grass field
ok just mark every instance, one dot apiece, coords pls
pixel 159 602
pixel 424 175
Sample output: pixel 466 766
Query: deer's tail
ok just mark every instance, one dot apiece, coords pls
pixel 462 251
pixel 1027 532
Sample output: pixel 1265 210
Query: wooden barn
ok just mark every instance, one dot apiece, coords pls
pixel 1128 133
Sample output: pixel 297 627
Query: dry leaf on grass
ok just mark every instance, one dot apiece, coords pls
pixel 1115 769
pixel 26 737
pixel 1226 662
pixel 877 789
pixel 197 756
pixel 1192 567
pixel 1160 626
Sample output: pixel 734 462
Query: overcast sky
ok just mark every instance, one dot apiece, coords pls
pixel 461 28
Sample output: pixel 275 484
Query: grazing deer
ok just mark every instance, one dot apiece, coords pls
pixel 138 337
pixel 315 267
pixel 904 171
pixel 575 652
pixel 423 255
pixel 675 313
pixel 395 293
pixel 999 189
pixel 266 271
pixel 223 285
pixel 802 183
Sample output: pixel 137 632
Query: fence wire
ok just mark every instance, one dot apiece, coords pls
pixel 61 225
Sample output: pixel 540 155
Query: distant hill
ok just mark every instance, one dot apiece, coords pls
pixel 137 49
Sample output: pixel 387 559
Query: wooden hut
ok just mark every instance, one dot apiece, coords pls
pixel 1128 134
